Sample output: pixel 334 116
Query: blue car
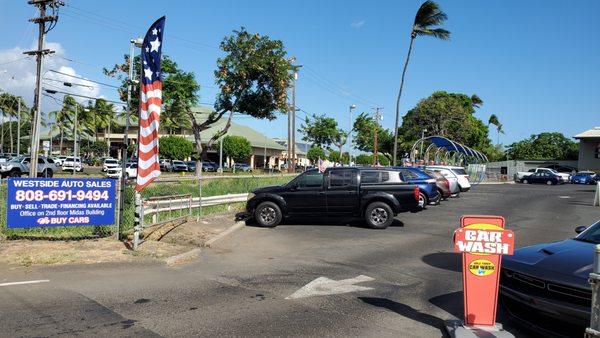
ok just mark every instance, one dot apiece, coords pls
pixel 427 184
pixel 584 177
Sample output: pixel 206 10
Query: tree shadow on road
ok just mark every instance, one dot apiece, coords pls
pixel 444 260
pixel 406 311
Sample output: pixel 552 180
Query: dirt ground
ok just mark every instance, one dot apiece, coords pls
pixel 181 239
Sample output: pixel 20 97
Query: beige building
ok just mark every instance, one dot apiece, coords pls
pixel 589 149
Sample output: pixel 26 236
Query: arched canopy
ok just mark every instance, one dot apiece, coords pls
pixel 449 145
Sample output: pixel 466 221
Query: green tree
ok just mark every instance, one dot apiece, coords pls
pixel 315 153
pixel 253 78
pixel 427 18
pixel 237 148
pixel 94 148
pixel 335 157
pixel 9 104
pixel 320 130
pixel 446 114
pixel 365 126
pixel 175 147
pixel 544 146
pixel 495 121
pixel 367 159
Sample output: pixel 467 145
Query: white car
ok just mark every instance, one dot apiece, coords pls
pixel 110 163
pixel 72 163
pixel 130 171
pixel 457 176
pixel 521 174
pixel 59 160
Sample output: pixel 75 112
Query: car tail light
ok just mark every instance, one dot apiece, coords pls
pixel 467 177
pixel 447 184
pixel 417 193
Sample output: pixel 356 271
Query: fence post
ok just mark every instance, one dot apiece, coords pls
pixel 594 280
pixel 190 206
pixel 118 212
pixel 137 227
pixel 597 195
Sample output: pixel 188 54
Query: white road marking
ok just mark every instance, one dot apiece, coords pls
pixel 564 196
pixel 26 282
pixel 323 286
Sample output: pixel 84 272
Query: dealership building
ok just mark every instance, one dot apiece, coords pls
pixel 589 149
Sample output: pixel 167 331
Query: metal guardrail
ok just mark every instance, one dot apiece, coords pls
pixel 166 179
pixel 175 205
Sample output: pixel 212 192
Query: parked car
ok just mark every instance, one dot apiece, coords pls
pixel 427 184
pixel 375 194
pixel 19 165
pixel 585 177
pixel 191 166
pixel 543 177
pixel 521 174
pixel 242 167
pixel 59 160
pixel 453 173
pixel 109 163
pixel 210 166
pixel 179 166
pixel 166 165
pixel 130 171
pixel 72 164
pixel 548 283
pixel 442 183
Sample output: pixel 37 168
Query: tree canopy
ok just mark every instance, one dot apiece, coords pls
pixel 320 130
pixel 446 114
pixel 314 153
pixel 175 147
pixel 364 126
pixel 544 146
pixel 237 148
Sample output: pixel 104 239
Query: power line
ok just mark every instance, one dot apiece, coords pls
pixel 82 78
pixel 13 61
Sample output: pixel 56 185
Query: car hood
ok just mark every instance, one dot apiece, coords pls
pixel 568 257
pixel 267 189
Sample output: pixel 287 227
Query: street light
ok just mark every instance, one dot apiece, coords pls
pixel 352 106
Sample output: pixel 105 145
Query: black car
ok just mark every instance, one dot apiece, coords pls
pixel 375 194
pixel 548 283
pixel 544 178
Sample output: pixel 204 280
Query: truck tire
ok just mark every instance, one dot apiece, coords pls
pixel 379 215
pixel 14 173
pixel 549 182
pixel 423 200
pixel 268 214
pixel 525 181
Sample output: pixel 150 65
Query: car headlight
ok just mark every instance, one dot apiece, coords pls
pixel 251 196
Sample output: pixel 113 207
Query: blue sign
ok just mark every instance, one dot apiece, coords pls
pixel 48 202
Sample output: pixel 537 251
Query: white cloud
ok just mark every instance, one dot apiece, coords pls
pixel 357 24
pixel 19 77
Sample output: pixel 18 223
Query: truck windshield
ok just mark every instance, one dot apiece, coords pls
pixel 591 235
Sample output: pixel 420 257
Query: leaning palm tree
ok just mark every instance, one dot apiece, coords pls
pixel 494 120
pixel 428 17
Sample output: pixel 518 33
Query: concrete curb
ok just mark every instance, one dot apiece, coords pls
pixel 227 232
pixel 493 183
pixel 183 257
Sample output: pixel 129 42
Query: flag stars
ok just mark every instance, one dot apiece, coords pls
pixel 154 45
pixel 154 31
pixel 148 73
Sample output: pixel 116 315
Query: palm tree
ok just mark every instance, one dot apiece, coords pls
pixel 427 18
pixel 494 120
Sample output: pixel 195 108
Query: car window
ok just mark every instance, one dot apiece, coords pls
pixel 311 179
pixel 592 234
pixel 409 175
pixel 369 176
pixel 341 178
pixel 460 171
pixel 51 161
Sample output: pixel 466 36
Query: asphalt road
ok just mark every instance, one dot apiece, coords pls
pixel 239 288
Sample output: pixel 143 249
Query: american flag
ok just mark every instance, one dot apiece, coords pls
pixel 321 165
pixel 150 106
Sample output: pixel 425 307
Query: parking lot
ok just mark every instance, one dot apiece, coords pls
pixel 239 287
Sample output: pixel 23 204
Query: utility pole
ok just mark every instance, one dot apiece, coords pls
pixel 376 118
pixel 19 128
pixel 352 106
pixel 75 126
pixel 291 147
pixel 39 53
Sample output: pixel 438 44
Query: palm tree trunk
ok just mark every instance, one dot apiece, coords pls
pixel 398 101
pixel 108 137
pixel 61 140
pixel 10 132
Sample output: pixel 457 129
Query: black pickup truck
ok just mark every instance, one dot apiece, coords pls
pixel 375 194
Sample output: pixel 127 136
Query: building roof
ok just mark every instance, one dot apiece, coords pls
pixel 257 139
pixel 592 133
pixel 301 147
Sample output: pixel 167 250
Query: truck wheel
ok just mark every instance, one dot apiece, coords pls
pixel 525 181
pixel 268 214
pixel 549 182
pixel 14 173
pixel 379 215
pixel 47 173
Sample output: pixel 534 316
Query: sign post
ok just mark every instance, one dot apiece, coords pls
pixel 482 240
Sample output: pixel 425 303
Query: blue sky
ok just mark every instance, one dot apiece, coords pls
pixel 535 63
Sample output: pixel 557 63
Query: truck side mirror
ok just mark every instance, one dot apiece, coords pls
pixel 579 229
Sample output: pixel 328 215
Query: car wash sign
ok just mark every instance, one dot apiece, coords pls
pixel 482 240
pixel 48 202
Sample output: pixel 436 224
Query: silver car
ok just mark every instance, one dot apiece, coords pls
pixel 19 166
pixel 450 176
